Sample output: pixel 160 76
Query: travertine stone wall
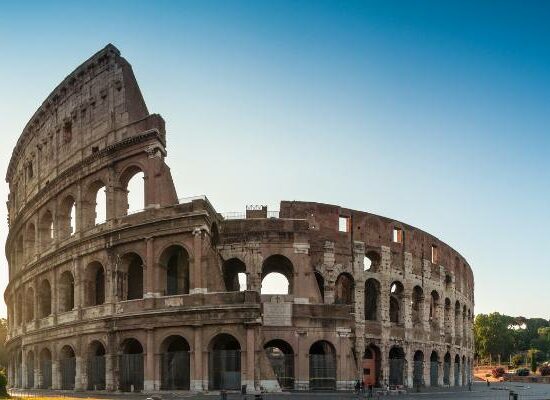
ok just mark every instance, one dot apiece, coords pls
pixel 87 306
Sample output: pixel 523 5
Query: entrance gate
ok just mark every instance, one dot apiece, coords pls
pixel 131 372
pixel 96 373
pixel 175 370
pixel 225 367
pixel 68 373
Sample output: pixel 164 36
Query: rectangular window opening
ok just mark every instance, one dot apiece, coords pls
pixel 434 254
pixel 397 235
pixel 344 224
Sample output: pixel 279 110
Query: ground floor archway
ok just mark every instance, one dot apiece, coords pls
pixel 322 366
pixel 224 369
pixel 371 366
pixel 175 364
pixel 281 357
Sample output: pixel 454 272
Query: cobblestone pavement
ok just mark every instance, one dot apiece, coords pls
pixel 480 391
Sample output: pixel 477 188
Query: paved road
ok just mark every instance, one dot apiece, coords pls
pixel 480 391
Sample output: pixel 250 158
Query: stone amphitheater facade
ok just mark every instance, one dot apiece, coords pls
pixel 170 297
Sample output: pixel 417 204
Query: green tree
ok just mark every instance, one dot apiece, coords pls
pixel 493 335
pixel 3 334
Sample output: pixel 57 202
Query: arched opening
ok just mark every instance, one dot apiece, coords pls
pixel 94 285
pixel 372 300
pixel 30 369
pixel 320 284
pixel 344 289
pixel 30 237
pixel 464 370
pixel 175 261
pixel 447 316
pixel 464 324
pixel 132 286
pixel 397 366
pixel 29 305
pixel 100 205
pixel 133 181
pixel 66 292
pixel 322 366
pixel 19 253
pixel 175 363
pixel 44 299
pixel 45 369
pixel 131 366
pixel 434 309
pixel 434 369
pixel 447 369
pixel 67 217
pixel 281 357
pixel 224 363
pixel 417 306
pixel 458 332
pixel 371 366
pixel 46 230
pixel 234 275
pixel 277 275
pixel 67 365
pixel 19 308
pixel 19 369
pixel 457 370
pixel 396 302
pixel 371 261
pixel 96 366
pixel 418 369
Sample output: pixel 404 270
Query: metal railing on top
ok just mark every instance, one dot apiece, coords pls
pixel 242 215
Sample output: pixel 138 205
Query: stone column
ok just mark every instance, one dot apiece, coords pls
pixel 149 284
pixel 250 356
pixel 111 381
pixel 196 276
pixel 56 375
pixel 302 362
pixel 409 367
pixel 81 379
pixel 196 372
pixel 24 382
pixel 149 373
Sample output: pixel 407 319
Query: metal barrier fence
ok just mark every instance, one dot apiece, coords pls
pixel 418 373
pixel 397 368
pixel 225 370
pixel 131 372
pixel 68 373
pixel 322 370
pixel 283 366
pixel 30 373
pixel 447 373
pixel 175 371
pixel 46 372
pixel 96 373
pixel 434 373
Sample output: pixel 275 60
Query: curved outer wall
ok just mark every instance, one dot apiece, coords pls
pixel 117 304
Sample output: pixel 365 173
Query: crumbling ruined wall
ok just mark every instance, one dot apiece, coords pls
pixel 141 292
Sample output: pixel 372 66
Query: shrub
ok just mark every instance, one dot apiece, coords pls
pixel 522 372
pixel 498 372
pixel 545 370
pixel 3 383
pixel 517 360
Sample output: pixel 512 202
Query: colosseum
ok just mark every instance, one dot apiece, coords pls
pixel 173 295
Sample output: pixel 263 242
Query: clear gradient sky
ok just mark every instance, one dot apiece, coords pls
pixel 433 113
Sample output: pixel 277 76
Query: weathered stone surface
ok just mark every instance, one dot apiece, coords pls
pixel 160 287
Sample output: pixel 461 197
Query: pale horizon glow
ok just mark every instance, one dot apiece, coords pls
pixel 433 113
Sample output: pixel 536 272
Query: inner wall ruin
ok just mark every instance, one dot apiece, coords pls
pixel 170 296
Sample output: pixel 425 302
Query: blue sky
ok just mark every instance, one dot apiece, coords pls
pixel 433 113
